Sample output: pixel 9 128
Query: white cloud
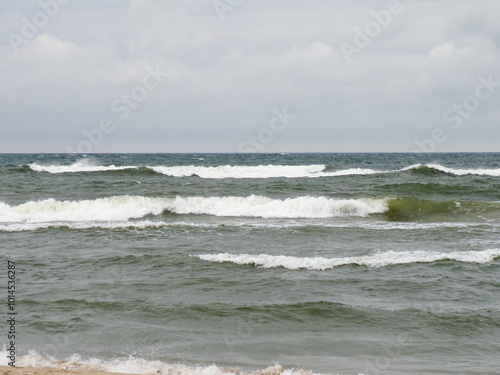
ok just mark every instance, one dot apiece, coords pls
pixel 448 51
pixel 227 76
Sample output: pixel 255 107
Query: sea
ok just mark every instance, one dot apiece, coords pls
pixel 294 264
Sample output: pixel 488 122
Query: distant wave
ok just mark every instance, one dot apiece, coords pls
pixel 132 365
pixel 258 171
pixel 376 260
pixel 121 208
pixel 218 172
pixel 83 165
pixel 228 171
pixel 456 172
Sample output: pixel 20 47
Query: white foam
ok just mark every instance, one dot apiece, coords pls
pixel 229 171
pixel 122 208
pixel 134 365
pixel 119 208
pixel 462 172
pixel 22 227
pixel 374 260
pixel 143 224
pixel 260 171
pixel 84 165
pixel 218 172
pixel 458 172
pixel 264 207
pixel 351 172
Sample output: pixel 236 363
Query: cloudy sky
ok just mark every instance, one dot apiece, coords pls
pixel 249 75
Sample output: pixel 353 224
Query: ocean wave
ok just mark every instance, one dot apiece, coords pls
pixel 229 171
pixel 112 225
pixel 277 225
pixel 24 226
pixel 218 172
pixel 83 165
pixel 118 208
pixel 377 260
pixel 121 208
pixel 457 172
pixel 463 172
pixel 258 171
pixel 118 211
pixel 133 365
pixel 405 208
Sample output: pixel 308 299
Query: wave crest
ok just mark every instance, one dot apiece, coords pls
pixel 457 172
pixel 228 171
pixel 259 171
pixel 122 208
pixel 218 172
pixel 375 260
pixel 83 165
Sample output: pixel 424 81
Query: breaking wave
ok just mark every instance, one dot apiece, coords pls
pixel 133 365
pixel 228 171
pixel 121 208
pixel 258 171
pixel 457 172
pixel 388 258
pixel 218 172
pixel 83 165
pixel 118 211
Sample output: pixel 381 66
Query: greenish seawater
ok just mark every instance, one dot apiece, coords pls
pixel 335 263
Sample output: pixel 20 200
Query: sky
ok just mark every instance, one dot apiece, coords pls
pixel 249 76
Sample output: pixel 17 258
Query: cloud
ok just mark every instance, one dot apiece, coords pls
pixel 224 78
pixel 448 51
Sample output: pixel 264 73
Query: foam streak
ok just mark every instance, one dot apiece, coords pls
pixel 388 258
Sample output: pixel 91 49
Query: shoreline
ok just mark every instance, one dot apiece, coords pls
pixel 9 370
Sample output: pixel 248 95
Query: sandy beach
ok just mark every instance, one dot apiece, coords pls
pixel 8 370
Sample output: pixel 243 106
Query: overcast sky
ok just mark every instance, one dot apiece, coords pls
pixel 249 75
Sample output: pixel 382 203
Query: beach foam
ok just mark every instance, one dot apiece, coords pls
pixel 134 365
pixel 388 258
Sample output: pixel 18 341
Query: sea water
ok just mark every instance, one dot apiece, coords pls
pixel 279 263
